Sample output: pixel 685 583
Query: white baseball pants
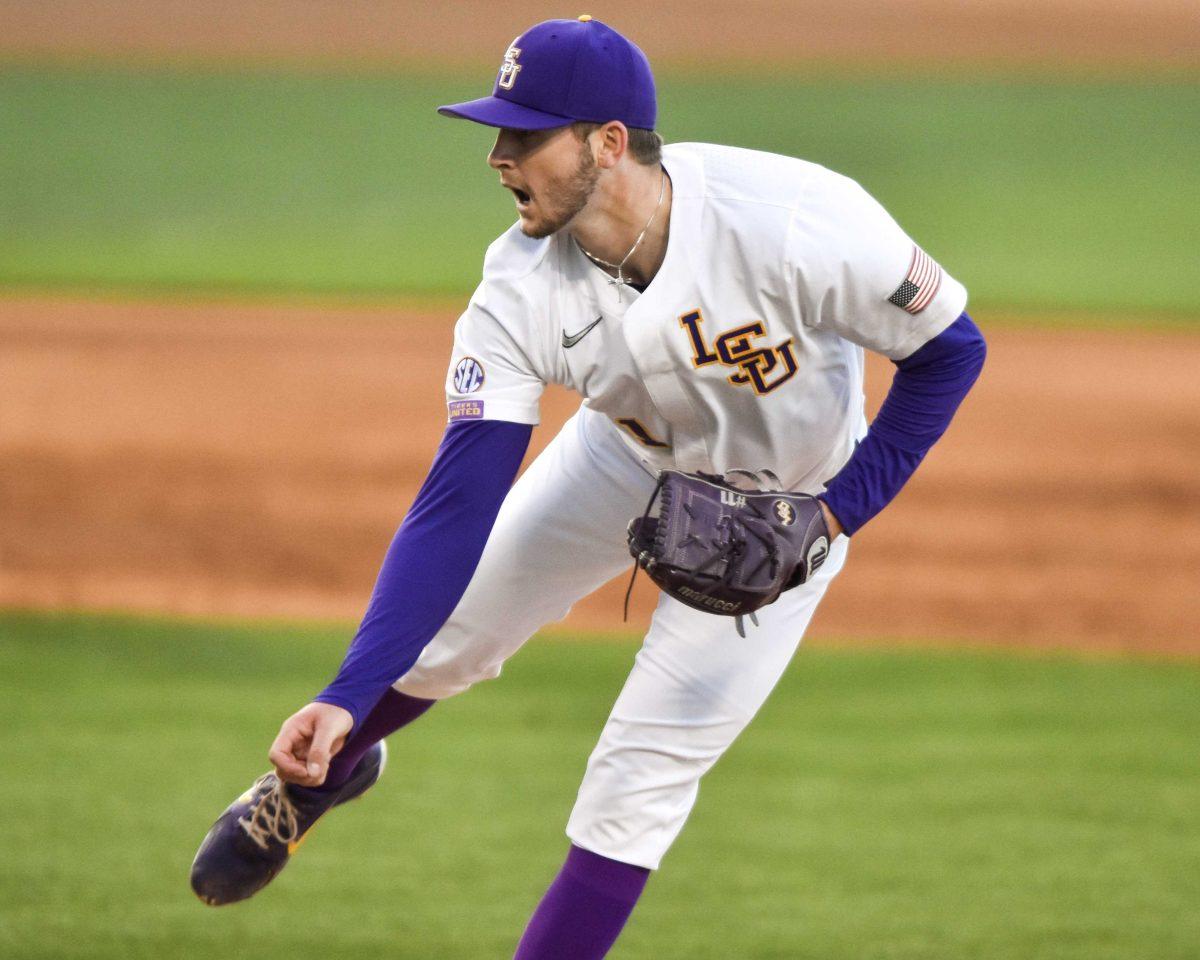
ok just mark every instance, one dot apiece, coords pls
pixel 695 683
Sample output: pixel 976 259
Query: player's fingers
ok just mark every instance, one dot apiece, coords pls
pixel 320 750
pixel 288 751
pixel 288 767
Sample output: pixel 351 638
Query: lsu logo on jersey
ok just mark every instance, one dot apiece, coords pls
pixel 759 367
pixel 468 375
pixel 509 68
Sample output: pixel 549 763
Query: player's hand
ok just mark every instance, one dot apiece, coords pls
pixel 307 741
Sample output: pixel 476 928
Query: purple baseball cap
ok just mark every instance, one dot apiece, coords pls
pixel 561 71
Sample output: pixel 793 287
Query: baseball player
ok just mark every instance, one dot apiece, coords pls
pixel 711 306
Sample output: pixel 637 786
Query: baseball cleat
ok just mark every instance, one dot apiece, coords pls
pixel 258 833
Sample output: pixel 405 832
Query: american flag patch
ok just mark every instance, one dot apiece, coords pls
pixel 920 284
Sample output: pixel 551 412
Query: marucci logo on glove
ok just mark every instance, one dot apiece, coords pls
pixel 816 556
pixel 712 603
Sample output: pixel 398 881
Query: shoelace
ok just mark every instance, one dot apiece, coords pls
pixel 273 817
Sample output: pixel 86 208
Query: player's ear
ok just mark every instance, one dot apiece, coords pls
pixel 612 142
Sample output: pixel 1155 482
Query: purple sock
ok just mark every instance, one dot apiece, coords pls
pixel 585 909
pixel 394 710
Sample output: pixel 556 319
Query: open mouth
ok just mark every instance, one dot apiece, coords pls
pixel 522 197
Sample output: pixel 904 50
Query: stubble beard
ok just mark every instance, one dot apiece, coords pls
pixel 564 200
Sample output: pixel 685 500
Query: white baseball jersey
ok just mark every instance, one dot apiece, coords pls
pixel 746 348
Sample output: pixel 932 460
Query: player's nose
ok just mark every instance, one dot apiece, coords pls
pixel 501 154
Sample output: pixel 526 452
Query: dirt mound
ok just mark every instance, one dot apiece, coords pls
pixel 255 460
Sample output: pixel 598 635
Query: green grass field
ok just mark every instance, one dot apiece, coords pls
pixel 885 806
pixel 1040 194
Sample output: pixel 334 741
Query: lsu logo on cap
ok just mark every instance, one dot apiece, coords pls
pixel 509 68
pixel 468 375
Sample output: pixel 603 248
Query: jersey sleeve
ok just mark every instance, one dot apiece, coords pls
pixel 431 559
pixel 860 275
pixel 492 375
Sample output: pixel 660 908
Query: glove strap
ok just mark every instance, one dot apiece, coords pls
pixel 740 622
pixel 629 592
pixel 662 478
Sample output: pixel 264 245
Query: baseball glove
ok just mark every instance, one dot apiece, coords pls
pixel 727 550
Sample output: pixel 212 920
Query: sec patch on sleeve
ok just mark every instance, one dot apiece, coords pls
pixel 920 285
pixel 468 375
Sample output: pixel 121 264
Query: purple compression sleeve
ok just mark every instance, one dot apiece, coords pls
pixel 431 559
pixel 925 393
pixel 585 909
pixel 393 711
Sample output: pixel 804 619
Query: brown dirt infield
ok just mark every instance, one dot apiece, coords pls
pixel 926 34
pixel 254 460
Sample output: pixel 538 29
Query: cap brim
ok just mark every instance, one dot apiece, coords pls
pixel 494 112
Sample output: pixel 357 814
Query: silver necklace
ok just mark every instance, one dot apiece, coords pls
pixel 620 279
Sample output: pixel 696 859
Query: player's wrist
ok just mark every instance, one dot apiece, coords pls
pixel 832 523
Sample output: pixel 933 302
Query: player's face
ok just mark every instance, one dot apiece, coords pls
pixel 551 173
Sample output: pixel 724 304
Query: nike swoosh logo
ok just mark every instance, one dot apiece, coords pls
pixel 570 341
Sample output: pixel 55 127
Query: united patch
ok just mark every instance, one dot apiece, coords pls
pixel 465 410
pixel 920 284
